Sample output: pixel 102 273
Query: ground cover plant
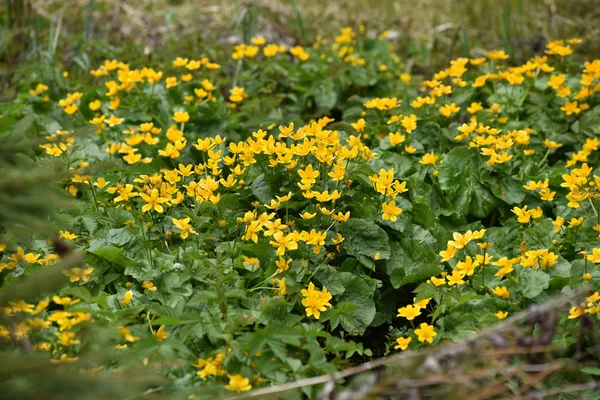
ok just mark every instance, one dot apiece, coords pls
pixel 288 212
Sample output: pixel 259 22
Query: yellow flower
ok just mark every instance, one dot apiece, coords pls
pixel 468 266
pixel 338 239
pixel 359 126
pixel 282 242
pixel 307 215
pixel 281 289
pixel 429 159
pixel 67 235
pixel 497 55
pixel 573 222
pixel 181 117
pixel 237 94
pixel 67 338
pixel 170 82
pixel 341 217
pixel 423 303
pixel 21 306
pixel 449 109
pixel 556 80
pixel 153 201
pixel 501 292
pixel 390 211
pixel 101 183
pixel 593 298
pixel 456 278
pixel 570 108
pixel 41 306
pixel 594 256
pixel 474 108
pixel 575 312
pixel 397 138
pixel 160 333
pixel 113 120
pixel 282 265
pixel 551 144
pixel 425 333
pixel 76 274
pixel 64 301
pixel 258 40
pixel 402 343
pixel 149 285
pixel 237 383
pixel 125 300
pixel 409 312
pixel 184 226
pixel 523 215
pixel 501 314
pixel 71 109
pixel 95 105
pixel 299 52
pixel 126 333
pixel 180 62
pixel 308 175
pixel 409 123
pixel 63 359
pixel 315 301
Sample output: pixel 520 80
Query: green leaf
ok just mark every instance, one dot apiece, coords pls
pixel 325 96
pixel 365 238
pixel 113 255
pixel 507 189
pixel 591 370
pixel 534 282
pixel 90 222
pixel 459 178
pixel 261 189
pixel 540 235
pixel 403 165
pixel 264 252
pixel 589 121
pixel 330 278
pixel 79 291
pixel 119 237
pixel 354 310
pixel 561 269
pixel 423 215
pixel 361 172
pixel 411 261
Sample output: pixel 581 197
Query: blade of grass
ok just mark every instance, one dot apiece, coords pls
pixel 299 20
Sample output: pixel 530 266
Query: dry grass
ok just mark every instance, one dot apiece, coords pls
pixel 430 31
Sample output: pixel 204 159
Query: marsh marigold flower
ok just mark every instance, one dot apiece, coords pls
pixel 181 117
pixel 402 343
pixel 425 333
pixel 409 312
pixel 77 274
pixel 237 383
pixel 315 301
pixel 390 211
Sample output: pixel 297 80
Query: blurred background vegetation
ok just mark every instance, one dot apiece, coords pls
pixel 428 32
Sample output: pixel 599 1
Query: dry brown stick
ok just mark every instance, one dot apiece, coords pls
pixel 565 389
pixel 540 376
pixel 521 350
pixel 493 389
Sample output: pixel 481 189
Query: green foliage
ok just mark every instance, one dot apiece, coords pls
pixel 227 250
